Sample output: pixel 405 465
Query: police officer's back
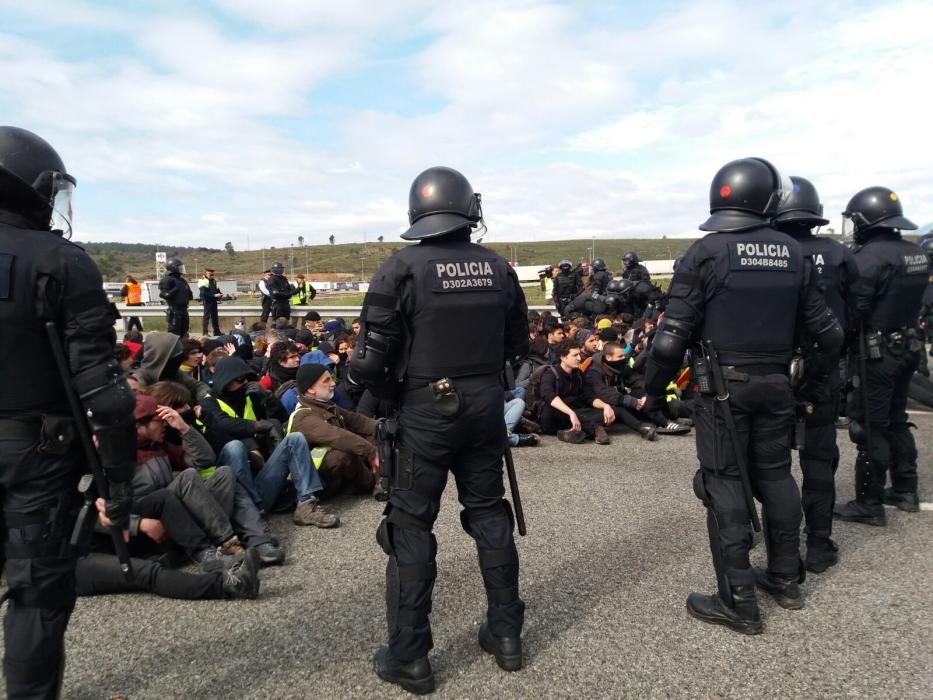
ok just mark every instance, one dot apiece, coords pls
pixel 175 290
pixel 419 345
pixel 742 290
pixel 836 273
pixel 45 278
pixel 893 275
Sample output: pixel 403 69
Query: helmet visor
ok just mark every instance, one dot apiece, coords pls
pixel 785 188
pixel 62 195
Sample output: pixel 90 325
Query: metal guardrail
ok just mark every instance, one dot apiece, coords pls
pixel 237 310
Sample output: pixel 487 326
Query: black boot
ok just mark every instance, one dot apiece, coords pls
pixel 744 617
pixel 786 592
pixel 507 650
pixel 648 432
pixel 865 513
pixel 414 676
pixel 908 502
pixel 822 553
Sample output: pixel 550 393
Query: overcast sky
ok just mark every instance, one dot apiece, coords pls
pixel 195 123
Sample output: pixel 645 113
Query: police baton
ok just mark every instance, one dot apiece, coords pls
pixel 516 496
pixel 90 452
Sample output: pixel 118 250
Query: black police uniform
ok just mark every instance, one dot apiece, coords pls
pixel 177 294
pixel 637 273
pixel 566 288
pixel 280 293
pixel 419 320
pixel 893 275
pixel 44 277
pixel 745 287
pixel 207 289
pixel 926 312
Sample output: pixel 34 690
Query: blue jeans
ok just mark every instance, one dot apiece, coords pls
pixel 513 413
pixel 292 456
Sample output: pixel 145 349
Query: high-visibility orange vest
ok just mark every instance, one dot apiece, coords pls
pixel 134 293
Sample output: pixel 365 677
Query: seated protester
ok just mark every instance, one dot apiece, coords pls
pixel 256 330
pixel 608 335
pixel 554 332
pixel 342 443
pixel 220 481
pixel 194 358
pixel 134 341
pixel 514 411
pixel 162 358
pixel 312 323
pixel 123 355
pixel 534 325
pixel 237 408
pixel 323 355
pixel 567 407
pixel 283 367
pixel 537 356
pixel 304 339
pixel 588 342
pixel 210 363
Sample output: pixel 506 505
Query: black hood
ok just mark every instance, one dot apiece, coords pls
pixel 230 369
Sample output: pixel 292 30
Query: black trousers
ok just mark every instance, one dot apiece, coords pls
pixel 177 320
pixel 819 460
pixel 99 573
pixel 763 410
pixel 39 494
pixel 281 309
pixel 470 445
pixel 266 308
pixel 552 420
pixel 210 314
pixel 179 524
pixel 892 444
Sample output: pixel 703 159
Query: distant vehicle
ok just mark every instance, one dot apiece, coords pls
pixel 113 288
pixel 341 286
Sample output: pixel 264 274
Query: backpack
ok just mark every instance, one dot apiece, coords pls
pixel 533 400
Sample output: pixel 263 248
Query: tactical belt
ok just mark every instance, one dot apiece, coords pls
pixel 424 394
pixel 21 429
pixel 742 373
pixel 902 339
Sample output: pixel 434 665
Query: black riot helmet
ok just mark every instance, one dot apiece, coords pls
pixel 615 287
pixel 745 194
pixel 440 201
pixel 874 209
pixel 277 268
pixel 598 264
pixel 801 206
pixel 175 265
pixel 630 259
pixel 565 265
pixel 927 245
pixel 33 180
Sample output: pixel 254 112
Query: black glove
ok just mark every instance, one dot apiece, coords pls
pixel 265 425
pixel 254 388
pixel 118 505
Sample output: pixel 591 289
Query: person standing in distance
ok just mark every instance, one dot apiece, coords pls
pixel 174 289
pixel 210 297
pixel 634 270
pixel 280 291
pixel 836 272
pixel 418 347
pixel 745 288
pixel 886 305
pixel 46 278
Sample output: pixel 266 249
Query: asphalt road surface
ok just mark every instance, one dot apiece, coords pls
pixel 616 542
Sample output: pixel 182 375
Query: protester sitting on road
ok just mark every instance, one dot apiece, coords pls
pixel 514 411
pixel 123 355
pixel 342 442
pixel 282 368
pixel 194 357
pixel 567 408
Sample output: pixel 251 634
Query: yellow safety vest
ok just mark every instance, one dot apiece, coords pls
pixel 318 452
pixel 206 472
pixel 301 295
pixel 248 412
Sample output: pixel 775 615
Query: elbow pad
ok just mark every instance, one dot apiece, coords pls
pixel 108 403
pixel 373 360
pixel 671 342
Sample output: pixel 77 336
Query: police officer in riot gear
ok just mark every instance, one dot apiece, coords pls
pixel 634 270
pixel 175 290
pixel 595 301
pixel 893 275
pixel 45 278
pixel 926 313
pixel 567 286
pixel 818 403
pixel 601 276
pixel 741 291
pixel 418 347
pixel 281 291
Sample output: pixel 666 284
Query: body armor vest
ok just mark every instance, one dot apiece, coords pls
pixel 905 270
pixel 751 309
pixel 600 280
pixel 565 285
pixel 828 258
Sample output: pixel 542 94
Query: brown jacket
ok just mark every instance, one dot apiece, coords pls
pixel 326 424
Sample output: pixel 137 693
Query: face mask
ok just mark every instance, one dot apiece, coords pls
pixel 615 364
pixel 239 393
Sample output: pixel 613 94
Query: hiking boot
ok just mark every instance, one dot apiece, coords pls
pixel 232 547
pixel 507 650
pixel 527 440
pixel 744 618
pixel 213 559
pixel 414 676
pixel 673 428
pixel 822 553
pixel 601 436
pixel 572 436
pixel 270 554
pixel 786 592
pixel 648 432
pixel 527 426
pixel 864 513
pixel 907 502
pixel 310 513
pixel 242 579
pixel 380 493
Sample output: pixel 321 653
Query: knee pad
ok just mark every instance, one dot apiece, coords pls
pixel 474 515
